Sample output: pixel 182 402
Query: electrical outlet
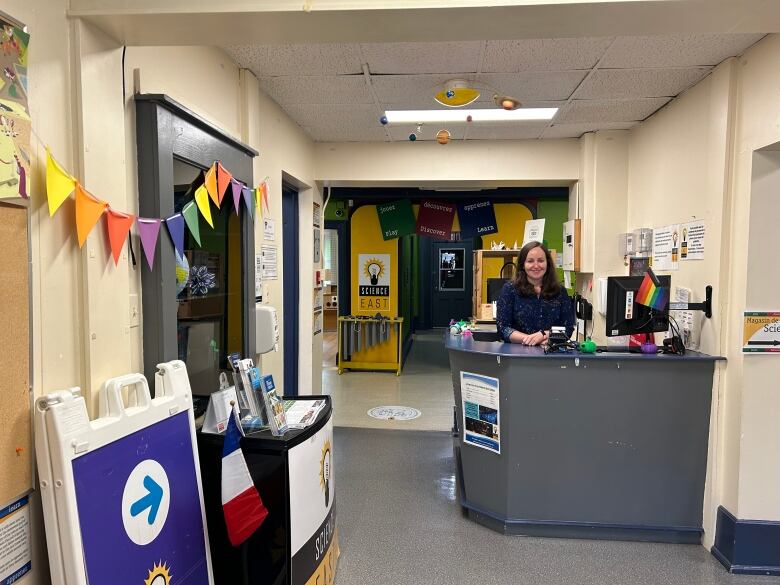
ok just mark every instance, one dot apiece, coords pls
pixel 135 311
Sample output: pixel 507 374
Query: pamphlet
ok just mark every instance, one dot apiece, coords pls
pixel 277 421
pixel 301 413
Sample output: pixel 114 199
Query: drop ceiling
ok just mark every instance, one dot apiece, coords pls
pixel 337 92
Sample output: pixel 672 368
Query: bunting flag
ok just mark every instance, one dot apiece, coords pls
pixel 88 212
pixel 264 191
pixel 59 184
pixel 223 181
pixel 248 199
pixel 175 225
pixel 118 227
pixel 149 229
pixel 210 183
pixel 202 199
pixel 236 188
pixel 190 213
pixel 435 219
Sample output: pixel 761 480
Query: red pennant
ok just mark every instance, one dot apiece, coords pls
pixel 118 227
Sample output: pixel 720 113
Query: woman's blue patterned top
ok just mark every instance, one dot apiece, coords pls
pixel 529 314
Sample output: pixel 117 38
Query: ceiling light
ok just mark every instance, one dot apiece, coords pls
pixel 456 93
pixel 506 102
pixel 460 116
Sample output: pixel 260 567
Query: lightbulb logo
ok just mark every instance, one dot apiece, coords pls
pixel 374 269
pixel 325 471
pixel 159 575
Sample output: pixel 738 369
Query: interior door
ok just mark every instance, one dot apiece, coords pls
pixel 451 275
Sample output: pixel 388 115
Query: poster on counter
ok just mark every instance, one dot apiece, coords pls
pixel 480 404
pixel 761 332
pixel 314 547
pixel 692 240
pixel 374 282
pixel 666 251
pixel 534 231
pixel 15 552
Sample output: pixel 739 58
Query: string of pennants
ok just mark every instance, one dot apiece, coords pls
pixel 217 183
pixel 435 219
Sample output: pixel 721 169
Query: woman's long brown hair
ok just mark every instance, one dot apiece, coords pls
pixel 550 285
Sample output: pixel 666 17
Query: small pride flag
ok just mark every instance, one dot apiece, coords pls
pixel 651 293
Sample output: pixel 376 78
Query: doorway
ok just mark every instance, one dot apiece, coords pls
pixel 451 276
pixel 290 238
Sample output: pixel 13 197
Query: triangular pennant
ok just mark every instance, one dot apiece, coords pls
pixel 88 212
pixel 190 213
pixel 175 225
pixel 59 184
pixel 149 229
pixel 236 187
pixel 210 182
pixel 118 227
pixel 264 192
pixel 248 199
pixel 223 181
pixel 202 199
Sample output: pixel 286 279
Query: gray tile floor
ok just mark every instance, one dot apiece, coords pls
pixel 399 523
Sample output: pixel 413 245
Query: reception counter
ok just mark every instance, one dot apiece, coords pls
pixel 606 445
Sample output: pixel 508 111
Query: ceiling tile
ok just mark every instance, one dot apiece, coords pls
pixel 610 110
pixel 450 58
pixel 406 88
pixel 357 115
pixel 534 85
pixel 333 134
pixel 333 89
pixel 636 83
pixel 577 130
pixel 543 54
pixel 284 60
pixel 676 50
pixel 525 131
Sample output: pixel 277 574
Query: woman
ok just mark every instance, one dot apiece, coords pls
pixel 534 300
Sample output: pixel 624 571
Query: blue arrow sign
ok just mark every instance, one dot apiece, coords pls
pixel 151 500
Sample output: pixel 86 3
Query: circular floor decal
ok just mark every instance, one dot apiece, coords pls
pixel 394 412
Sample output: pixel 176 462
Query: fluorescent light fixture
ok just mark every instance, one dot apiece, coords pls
pixel 461 116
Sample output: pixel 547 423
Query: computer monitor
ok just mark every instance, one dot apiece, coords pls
pixel 625 316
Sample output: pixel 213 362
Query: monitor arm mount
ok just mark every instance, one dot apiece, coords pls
pixel 706 306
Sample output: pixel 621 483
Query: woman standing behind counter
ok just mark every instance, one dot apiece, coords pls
pixel 534 301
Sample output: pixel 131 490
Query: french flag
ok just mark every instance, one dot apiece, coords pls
pixel 241 503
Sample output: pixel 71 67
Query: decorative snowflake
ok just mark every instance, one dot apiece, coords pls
pixel 201 280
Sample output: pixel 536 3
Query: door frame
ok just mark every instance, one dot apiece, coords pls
pixel 291 288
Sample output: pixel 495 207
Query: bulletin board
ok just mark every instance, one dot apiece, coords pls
pixel 15 417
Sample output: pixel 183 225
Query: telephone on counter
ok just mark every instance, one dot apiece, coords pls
pixel 557 335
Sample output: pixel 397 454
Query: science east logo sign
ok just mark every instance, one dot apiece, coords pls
pixel 374 282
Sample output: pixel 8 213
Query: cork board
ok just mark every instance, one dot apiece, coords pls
pixel 15 416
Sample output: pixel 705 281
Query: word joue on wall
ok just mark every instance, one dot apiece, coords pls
pixel 218 183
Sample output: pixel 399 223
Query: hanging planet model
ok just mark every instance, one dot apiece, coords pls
pixel 443 136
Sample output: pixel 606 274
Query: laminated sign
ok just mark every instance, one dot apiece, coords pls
pixel 761 332
pixel 374 282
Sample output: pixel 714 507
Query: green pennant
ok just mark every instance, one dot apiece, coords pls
pixel 190 213
pixel 396 219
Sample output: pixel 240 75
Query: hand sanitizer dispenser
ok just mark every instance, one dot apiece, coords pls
pixel 266 329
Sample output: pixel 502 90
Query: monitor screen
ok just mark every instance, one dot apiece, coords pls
pixel 625 316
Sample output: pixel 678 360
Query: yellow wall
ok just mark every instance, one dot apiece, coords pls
pixel 510 221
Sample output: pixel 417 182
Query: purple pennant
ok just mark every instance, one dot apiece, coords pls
pixel 149 229
pixel 249 199
pixel 175 224
pixel 236 186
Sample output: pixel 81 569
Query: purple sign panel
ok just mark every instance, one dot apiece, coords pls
pixel 139 508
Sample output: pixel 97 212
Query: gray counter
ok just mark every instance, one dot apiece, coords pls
pixel 591 445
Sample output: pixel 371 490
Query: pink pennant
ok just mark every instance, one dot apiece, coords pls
pixel 149 229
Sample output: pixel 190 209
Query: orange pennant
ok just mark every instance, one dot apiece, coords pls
pixel 88 212
pixel 118 227
pixel 223 181
pixel 210 182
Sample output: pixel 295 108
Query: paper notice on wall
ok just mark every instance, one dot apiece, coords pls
pixel 480 404
pixel 685 320
pixel 692 242
pixel 269 229
pixel 666 251
pixel 270 261
pixel 15 552
pixel 534 231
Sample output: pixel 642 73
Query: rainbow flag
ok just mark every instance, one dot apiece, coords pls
pixel 651 293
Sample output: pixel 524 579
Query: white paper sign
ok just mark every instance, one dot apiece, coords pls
pixel 269 229
pixel 218 411
pixel 258 275
pixel 666 251
pixel 692 243
pixel 269 254
pixel 534 231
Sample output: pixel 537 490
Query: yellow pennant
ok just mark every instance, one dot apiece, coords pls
pixel 59 184
pixel 202 199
